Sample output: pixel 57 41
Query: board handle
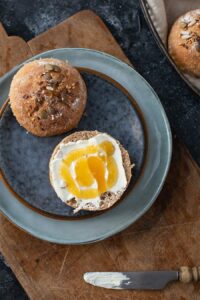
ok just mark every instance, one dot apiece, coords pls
pixel 13 49
pixel 187 274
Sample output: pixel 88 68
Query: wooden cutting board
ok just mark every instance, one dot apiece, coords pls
pixel 166 237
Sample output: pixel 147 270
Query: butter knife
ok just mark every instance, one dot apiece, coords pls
pixel 150 280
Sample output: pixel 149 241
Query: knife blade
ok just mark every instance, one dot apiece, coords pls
pixel 148 280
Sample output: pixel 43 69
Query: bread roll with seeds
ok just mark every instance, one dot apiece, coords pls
pixel 184 43
pixel 48 96
pixel 108 199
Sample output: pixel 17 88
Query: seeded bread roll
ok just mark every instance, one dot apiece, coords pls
pixel 184 43
pixel 108 199
pixel 48 97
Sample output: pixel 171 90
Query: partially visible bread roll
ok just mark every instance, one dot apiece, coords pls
pixel 184 43
pixel 48 96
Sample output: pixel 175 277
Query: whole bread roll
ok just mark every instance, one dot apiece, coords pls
pixel 48 96
pixel 184 43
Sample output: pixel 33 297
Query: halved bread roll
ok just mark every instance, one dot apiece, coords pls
pixel 107 198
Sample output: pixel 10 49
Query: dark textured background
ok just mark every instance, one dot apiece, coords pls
pixel 124 18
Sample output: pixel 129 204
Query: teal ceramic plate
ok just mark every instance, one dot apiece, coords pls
pixel 121 103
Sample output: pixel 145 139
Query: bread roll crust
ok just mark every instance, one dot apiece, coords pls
pixel 48 97
pixel 184 43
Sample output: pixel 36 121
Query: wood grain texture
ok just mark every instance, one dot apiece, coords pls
pixel 13 50
pixel 167 236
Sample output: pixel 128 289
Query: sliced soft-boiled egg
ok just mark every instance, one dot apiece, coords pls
pixel 90 170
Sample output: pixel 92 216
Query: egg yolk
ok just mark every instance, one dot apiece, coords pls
pixel 94 165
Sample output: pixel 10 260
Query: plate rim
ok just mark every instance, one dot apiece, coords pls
pixel 169 150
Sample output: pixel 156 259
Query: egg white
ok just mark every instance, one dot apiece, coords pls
pixel 60 186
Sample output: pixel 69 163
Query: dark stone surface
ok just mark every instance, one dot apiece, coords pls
pixel 9 286
pixel 125 20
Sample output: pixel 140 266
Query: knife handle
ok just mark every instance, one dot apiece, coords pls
pixel 187 274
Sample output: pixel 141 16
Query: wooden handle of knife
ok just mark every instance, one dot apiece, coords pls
pixel 187 275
